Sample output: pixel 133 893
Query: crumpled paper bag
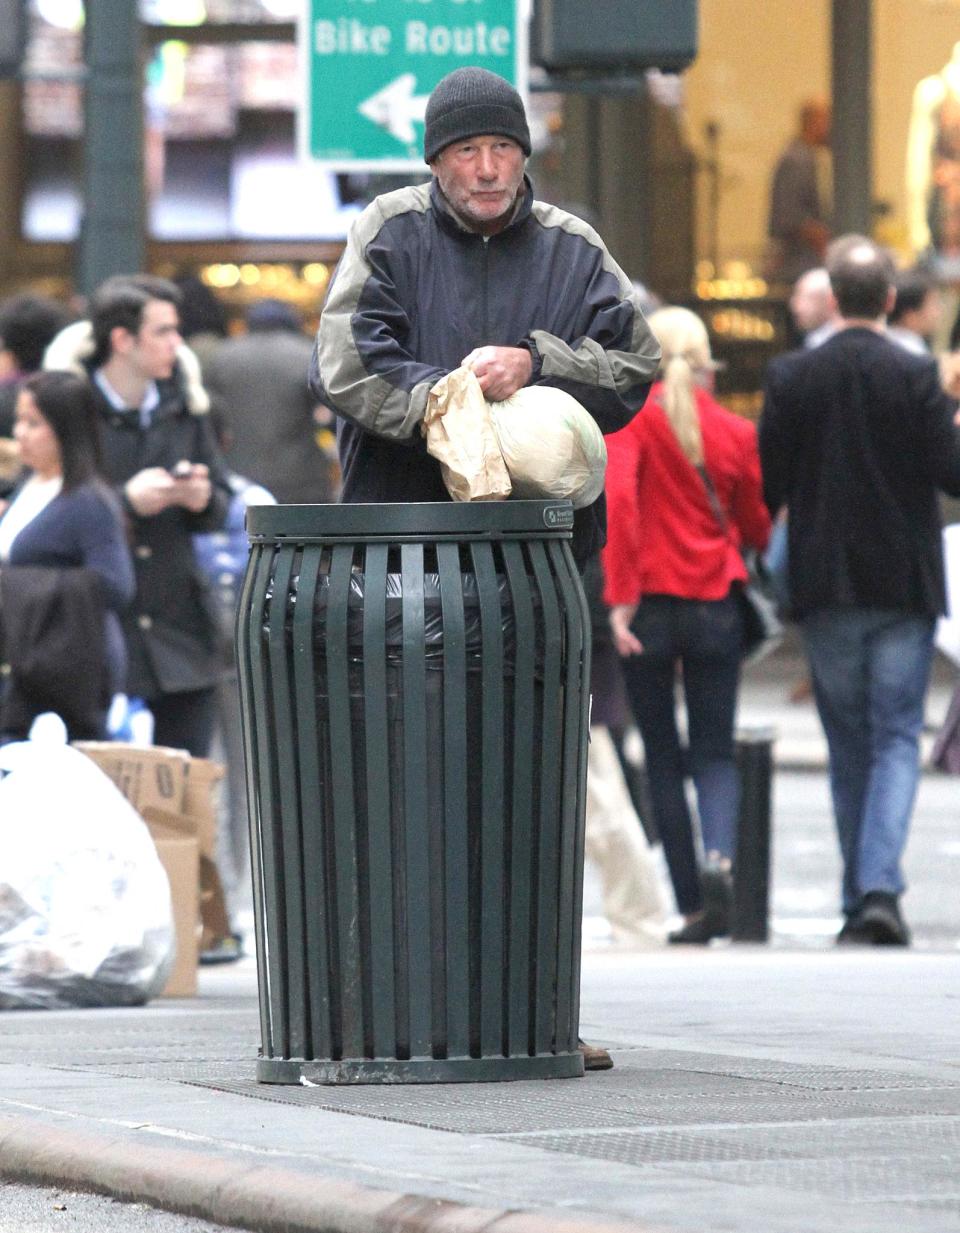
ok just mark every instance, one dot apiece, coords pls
pixel 460 436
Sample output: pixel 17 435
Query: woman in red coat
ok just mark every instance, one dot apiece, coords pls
pixel 672 571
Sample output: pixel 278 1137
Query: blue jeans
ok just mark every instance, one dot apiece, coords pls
pixel 870 670
pixel 704 637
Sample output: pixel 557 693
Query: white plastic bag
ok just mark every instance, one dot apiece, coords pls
pixel 552 446
pixel 85 911
pixel 948 627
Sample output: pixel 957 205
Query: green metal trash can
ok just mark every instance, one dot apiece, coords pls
pixel 413 683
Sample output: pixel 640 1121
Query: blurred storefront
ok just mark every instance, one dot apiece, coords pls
pixel 674 171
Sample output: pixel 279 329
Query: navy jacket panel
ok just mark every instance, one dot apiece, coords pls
pixel 856 437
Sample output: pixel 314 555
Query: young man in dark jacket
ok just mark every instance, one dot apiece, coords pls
pixel 471 270
pixel 159 451
pixel 856 437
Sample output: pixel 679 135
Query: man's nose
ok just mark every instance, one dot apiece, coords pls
pixel 486 165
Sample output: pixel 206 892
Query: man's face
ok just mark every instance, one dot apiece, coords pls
pixel 929 313
pixel 812 302
pixel 152 351
pixel 480 177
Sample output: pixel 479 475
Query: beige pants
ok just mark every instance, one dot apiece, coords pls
pixel 633 899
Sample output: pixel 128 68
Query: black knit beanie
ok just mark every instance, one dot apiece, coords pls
pixel 470 102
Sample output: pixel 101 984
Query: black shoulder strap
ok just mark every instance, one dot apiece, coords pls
pixel 715 505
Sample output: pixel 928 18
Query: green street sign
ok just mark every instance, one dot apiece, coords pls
pixel 370 66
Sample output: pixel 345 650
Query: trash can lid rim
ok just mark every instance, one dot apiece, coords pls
pixel 422 520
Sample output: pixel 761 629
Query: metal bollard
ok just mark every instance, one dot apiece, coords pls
pixel 751 883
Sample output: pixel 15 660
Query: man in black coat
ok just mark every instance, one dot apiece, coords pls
pixel 160 452
pixel 856 438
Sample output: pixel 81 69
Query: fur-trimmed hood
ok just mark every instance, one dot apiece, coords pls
pixel 75 344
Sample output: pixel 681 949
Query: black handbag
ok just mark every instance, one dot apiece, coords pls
pixel 762 627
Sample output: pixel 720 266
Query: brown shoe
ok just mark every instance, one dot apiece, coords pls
pixel 595 1058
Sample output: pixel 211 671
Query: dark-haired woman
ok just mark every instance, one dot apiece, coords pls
pixel 65 568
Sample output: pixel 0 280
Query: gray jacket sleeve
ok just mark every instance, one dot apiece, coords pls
pixel 610 368
pixel 387 397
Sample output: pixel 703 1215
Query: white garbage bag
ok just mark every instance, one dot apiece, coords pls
pixel 552 445
pixel 85 911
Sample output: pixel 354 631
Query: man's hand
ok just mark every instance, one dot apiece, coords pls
pixel 501 371
pixel 150 491
pixel 192 489
pixel 626 642
pixel 154 489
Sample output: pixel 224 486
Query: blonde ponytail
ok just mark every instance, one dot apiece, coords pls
pixel 686 356
pixel 681 406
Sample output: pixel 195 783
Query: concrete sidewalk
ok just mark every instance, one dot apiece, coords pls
pixel 794 1088
pixel 754 1089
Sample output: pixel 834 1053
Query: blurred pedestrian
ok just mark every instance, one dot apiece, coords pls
pixel 259 381
pixel 65 568
pixel 223 557
pixel 684 492
pixel 813 308
pixel 160 453
pixel 801 196
pixel 28 323
pixel 917 311
pixel 203 318
pixel 615 843
pixel 856 437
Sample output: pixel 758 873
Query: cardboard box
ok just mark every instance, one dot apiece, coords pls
pixel 146 775
pixel 179 855
pixel 208 891
pixel 175 795
pixel 200 801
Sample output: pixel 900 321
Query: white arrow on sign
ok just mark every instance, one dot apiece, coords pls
pixel 395 107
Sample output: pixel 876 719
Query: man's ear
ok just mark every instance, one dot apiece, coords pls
pixel 891 300
pixel 121 340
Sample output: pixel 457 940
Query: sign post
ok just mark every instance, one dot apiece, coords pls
pixel 370 66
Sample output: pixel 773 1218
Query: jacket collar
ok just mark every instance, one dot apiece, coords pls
pixel 452 223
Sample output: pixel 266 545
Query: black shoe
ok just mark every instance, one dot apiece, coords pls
pixel 879 913
pixel 717 885
pixel 854 932
pixel 711 923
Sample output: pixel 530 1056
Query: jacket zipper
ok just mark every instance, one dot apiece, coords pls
pixel 485 335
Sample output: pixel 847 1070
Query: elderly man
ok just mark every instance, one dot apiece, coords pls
pixel 856 436
pixel 471 270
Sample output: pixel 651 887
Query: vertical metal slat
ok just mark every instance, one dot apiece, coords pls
pixel 522 823
pixel 284 736
pixel 492 801
pixel 550 825
pixel 343 820
pixel 571 858
pixel 380 839
pixel 456 851
pixel 415 801
pixel 248 634
pixel 311 805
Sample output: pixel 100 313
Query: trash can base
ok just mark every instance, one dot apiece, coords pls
pixel 420 1070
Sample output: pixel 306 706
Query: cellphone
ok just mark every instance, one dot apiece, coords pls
pixel 181 470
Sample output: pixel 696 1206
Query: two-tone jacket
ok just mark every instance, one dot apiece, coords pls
pixel 416 291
